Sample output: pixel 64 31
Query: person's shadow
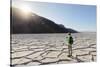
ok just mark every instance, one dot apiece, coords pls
pixel 76 58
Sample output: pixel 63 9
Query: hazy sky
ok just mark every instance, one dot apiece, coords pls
pixel 78 17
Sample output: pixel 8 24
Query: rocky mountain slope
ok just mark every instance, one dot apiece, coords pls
pixel 34 23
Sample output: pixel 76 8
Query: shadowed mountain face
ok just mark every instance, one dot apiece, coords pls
pixel 33 23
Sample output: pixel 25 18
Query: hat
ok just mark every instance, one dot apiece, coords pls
pixel 69 33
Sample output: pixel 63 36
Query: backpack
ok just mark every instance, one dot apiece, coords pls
pixel 70 41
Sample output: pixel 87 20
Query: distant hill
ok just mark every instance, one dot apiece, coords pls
pixel 34 23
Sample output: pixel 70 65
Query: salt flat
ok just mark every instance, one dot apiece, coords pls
pixel 41 49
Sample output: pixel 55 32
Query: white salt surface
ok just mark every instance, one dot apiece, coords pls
pixel 41 49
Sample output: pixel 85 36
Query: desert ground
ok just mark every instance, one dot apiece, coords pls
pixel 43 49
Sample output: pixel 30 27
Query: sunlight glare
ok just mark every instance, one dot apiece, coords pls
pixel 25 9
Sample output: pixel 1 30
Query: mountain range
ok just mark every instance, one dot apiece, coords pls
pixel 33 23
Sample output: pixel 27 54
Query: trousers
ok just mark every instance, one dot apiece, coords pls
pixel 70 49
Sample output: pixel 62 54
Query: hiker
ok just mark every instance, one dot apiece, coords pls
pixel 70 42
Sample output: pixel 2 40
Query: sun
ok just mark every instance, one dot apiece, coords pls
pixel 25 9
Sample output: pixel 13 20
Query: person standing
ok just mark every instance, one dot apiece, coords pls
pixel 70 42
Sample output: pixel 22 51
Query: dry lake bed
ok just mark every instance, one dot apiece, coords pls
pixel 43 49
